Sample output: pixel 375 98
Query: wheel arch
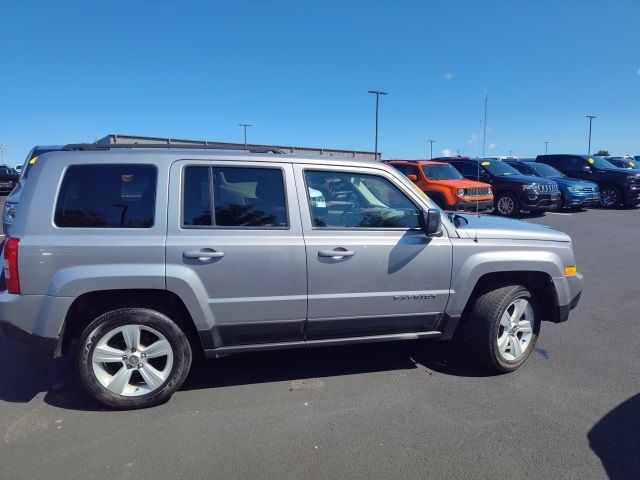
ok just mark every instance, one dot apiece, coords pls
pixel 88 306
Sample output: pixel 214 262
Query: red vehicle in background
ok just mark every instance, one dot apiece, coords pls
pixel 446 186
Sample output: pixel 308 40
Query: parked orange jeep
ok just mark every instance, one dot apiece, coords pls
pixel 446 186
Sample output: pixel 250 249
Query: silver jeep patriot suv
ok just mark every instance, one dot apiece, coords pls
pixel 148 256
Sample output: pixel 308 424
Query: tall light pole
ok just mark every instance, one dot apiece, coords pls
pixel 2 145
pixel 245 125
pixel 590 117
pixel 546 147
pixel 431 145
pixel 510 153
pixel 377 93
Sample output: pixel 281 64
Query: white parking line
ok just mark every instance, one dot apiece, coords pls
pixel 557 213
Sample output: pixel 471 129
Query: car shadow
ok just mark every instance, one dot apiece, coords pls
pixel 57 382
pixel 616 440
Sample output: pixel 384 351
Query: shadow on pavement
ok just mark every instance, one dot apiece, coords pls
pixel 27 376
pixel 616 440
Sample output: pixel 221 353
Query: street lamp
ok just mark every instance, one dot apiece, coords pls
pixel 590 117
pixel 431 142
pixel 2 145
pixel 546 146
pixel 377 93
pixel 510 153
pixel 245 125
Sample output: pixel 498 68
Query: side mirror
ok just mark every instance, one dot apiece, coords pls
pixel 586 168
pixel 413 177
pixel 430 222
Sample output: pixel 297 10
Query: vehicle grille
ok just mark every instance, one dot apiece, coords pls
pixel 588 189
pixel 545 188
pixel 477 191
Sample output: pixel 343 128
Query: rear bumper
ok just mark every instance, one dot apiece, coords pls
pixel 35 319
pixel 49 347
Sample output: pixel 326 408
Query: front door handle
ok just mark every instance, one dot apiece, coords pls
pixel 336 253
pixel 204 254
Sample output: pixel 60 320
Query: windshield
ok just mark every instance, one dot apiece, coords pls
pixel 600 162
pixel 498 168
pixel 546 170
pixel 441 172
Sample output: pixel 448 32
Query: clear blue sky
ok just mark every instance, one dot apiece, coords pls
pixel 299 72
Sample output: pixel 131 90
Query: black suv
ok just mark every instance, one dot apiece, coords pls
pixel 618 186
pixel 513 192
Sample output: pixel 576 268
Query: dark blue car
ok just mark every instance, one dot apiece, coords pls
pixel 576 193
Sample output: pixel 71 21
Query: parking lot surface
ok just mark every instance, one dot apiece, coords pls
pixel 402 410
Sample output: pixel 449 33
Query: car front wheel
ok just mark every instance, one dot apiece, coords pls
pixel 507 204
pixel 504 327
pixel 133 358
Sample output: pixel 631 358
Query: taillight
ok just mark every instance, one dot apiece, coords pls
pixel 11 277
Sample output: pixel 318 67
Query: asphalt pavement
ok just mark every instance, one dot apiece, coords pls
pixel 402 410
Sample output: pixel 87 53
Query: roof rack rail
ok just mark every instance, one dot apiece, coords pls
pixel 88 147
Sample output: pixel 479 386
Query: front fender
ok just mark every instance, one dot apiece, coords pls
pixel 473 260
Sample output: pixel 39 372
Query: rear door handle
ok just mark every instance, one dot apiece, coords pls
pixel 336 253
pixel 204 254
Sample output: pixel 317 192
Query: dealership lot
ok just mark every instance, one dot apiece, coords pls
pixel 407 410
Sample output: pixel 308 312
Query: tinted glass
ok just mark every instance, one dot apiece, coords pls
pixel 354 200
pixel 242 197
pixel 470 169
pixel 107 196
pixel 546 170
pixel 600 162
pixel 196 207
pixel 498 168
pixel 441 172
pixel 408 170
pixel 522 168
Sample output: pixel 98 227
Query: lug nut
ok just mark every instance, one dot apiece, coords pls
pixel 128 366
pixel 124 357
pixel 143 355
pixel 133 349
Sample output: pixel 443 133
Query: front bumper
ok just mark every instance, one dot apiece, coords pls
pixel 580 199
pixel 568 291
pixel 631 195
pixel 483 206
pixel 541 201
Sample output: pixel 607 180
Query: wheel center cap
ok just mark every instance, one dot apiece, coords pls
pixel 513 329
pixel 133 359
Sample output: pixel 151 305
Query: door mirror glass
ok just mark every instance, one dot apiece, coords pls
pixel 430 220
pixel 412 177
pixel 586 168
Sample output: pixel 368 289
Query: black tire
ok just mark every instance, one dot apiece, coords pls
pixel 180 347
pixel 610 197
pixel 485 324
pixel 500 208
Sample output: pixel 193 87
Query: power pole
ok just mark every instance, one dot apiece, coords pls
pixel 377 93
pixel 590 117
pixel 245 125
pixel 546 146
pixel 431 149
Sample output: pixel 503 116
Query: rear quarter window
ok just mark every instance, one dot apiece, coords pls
pixel 107 196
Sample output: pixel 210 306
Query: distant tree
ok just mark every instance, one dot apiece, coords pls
pixel 602 153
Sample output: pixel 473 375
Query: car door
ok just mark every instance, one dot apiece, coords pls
pixel 235 251
pixel 371 269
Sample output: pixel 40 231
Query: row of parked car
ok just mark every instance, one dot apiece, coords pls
pixel 510 186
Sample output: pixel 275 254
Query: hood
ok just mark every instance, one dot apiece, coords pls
pixel 506 228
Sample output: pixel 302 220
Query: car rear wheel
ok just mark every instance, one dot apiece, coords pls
pixel 610 197
pixel 507 204
pixel 504 327
pixel 133 358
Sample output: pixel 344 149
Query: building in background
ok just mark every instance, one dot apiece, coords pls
pixel 115 139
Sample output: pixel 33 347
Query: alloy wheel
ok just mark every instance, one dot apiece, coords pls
pixel 516 329
pixel 608 197
pixel 132 360
pixel 505 205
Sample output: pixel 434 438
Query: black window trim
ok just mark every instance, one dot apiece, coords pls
pixel 102 229
pixel 352 229
pixel 210 166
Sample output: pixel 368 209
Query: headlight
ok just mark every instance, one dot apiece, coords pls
pixel 533 186
pixel 9 213
pixel 575 189
pixel 461 191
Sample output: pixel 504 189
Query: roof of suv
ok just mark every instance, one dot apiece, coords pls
pixel 419 162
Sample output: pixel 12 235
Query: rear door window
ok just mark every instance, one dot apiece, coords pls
pixel 236 197
pixel 107 196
